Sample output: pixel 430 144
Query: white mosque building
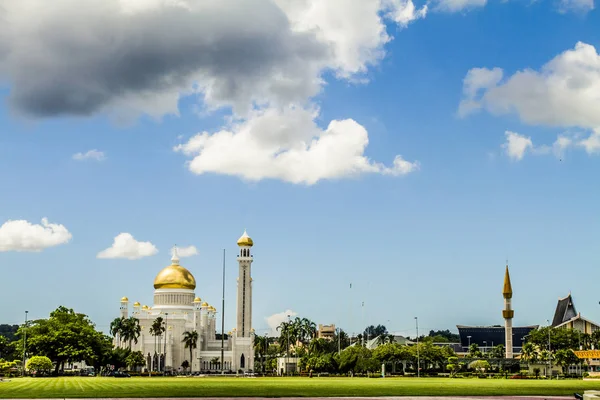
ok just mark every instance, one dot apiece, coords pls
pixel 182 311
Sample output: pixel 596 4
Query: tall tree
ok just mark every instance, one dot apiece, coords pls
pixel 190 339
pixel 64 336
pixel 371 331
pixel 131 330
pixel 116 329
pixel 261 347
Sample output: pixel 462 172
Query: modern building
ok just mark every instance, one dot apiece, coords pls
pixel 181 311
pixel 486 337
pixel 566 316
pixel 326 331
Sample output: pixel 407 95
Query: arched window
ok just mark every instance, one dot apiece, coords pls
pixel 242 362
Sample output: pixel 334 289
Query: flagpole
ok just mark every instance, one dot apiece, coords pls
pixel 223 320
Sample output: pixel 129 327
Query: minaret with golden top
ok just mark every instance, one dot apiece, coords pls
pixel 508 314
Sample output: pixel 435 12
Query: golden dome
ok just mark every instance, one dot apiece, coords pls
pixel 245 240
pixel 144 307
pixel 136 304
pixel 213 309
pixel 175 277
pixel 197 300
pixel 205 304
pixel 124 300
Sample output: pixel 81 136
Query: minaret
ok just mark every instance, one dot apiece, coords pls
pixel 124 307
pixel 508 315
pixel 244 287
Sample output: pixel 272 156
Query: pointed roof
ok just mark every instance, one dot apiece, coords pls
pixel 507 290
pixel 565 310
pixel 245 240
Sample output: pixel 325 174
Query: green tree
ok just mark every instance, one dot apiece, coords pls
pixel 64 336
pixel 185 365
pixel 135 359
pixel 453 366
pixel 6 366
pixel 498 351
pixel 39 365
pixel 261 347
pixel 474 351
pixel 116 329
pixel 564 358
pixel 190 340
pixel 130 330
pixel 372 331
pixel 446 334
pixel 529 353
pixel 480 365
pixel 157 330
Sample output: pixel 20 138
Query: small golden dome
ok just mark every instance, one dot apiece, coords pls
pixel 175 277
pixel 213 309
pixel 245 240
pixel 124 299
pixel 197 300
pixel 205 304
pixel 144 307
pixel 229 333
pixel 136 304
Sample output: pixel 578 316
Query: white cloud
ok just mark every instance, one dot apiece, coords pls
pixel 275 320
pixel 21 235
pixel 187 251
pixel 287 145
pixel 459 5
pixel 563 93
pixel 90 155
pixel 125 246
pixel 517 145
pixel 577 6
pixel 59 56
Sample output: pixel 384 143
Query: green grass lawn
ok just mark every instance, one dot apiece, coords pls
pixel 278 387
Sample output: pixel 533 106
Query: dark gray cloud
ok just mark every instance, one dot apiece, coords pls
pixel 78 57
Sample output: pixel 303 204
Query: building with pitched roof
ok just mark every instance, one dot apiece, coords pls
pixel 566 316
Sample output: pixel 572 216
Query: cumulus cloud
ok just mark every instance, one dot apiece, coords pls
pixel 563 93
pixel 275 320
pixel 516 145
pixel 82 57
pixel 125 246
pixel 288 145
pixel 577 6
pixel 458 5
pixel 90 155
pixel 21 235
pixel 187 251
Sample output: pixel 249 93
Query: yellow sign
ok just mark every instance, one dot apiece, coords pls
pixel 587 353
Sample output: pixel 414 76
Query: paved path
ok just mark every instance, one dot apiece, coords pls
pixel 350 398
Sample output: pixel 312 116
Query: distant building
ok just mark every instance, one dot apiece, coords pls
pixel 487 337
pixel 566 316
pixel 326 332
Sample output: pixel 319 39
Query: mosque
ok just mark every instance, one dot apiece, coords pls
pixel 183 312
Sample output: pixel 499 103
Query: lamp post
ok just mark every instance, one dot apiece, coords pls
pixel 287 360
pixel 339 340
pixel 418 355
pixel 166 334
pixel 549 355
pixel 24 343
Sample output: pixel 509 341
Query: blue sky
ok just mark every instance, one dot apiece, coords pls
pixel 509 174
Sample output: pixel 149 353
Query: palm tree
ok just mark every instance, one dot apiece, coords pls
pixel 157 329
pixel 529 353
pixel 116 328
pixel 191 340
pixel 131 330
pixel 261 346
pixel 309 329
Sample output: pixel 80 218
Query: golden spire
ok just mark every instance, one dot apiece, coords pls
pixel 507 291
pixel 245 240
